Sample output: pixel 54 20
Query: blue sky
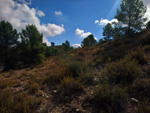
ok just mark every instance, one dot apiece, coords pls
pixel 61 20
pixel 76 14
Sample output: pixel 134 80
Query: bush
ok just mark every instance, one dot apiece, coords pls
pixel 141 88
pixel 87 79
pixel 109 99
pixel 138 56
pixel 33 87
pixel 122 72
pixel 39 59
pixel 70 86
pixel 17 103
pixel 6 100
pixel 76 68
pixel 81 53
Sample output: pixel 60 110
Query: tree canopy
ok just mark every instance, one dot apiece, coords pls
pixel 8 39
pixel 32 43
pixel 108 32
pixel 66 45
pixel 89 41
pixel 130 15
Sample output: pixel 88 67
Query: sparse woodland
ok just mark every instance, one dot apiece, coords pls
pixel 108 76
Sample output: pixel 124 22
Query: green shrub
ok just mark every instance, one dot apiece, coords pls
pixel 76 68
pixel 141 88
pixel 86 79
pixel 122 72
pixel 138 56
pixel 39 59
pixel 109 99
pixel 70 86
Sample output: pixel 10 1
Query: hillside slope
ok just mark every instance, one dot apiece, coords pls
pixel 111 77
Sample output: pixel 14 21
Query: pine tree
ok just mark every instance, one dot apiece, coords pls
pixel 108 32
pixel 33 48
pixel 8 40
pixel 89 41
pixel 130 15
pixel 66 45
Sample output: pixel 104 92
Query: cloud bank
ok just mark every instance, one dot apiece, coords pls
pixel 76 45
pixel 20 14
pixel 104 22
pixel 147 3
pixel 81 33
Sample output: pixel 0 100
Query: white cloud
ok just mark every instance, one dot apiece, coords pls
pixel 147 3
pixel 76 45
pixel 40 13
pixel 28 2
pixel 46 41
pixel 96 21
pixel 81 33
pixel 103 22
pixel 51 29
pixel 58 13
pixel 95 38
pixel 20 15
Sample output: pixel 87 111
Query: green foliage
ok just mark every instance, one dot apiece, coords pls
pixel 66 45
pixel 89 41
pixel 148 25
pixel 101 41
pixel 141 87
pixel 131 14
pixel 109 99
pixel 117 31
pixel 52 44
pixel 70 86
pixel 52 51
pixel 32 49
pixel 76 68
pixel 137 55
pixel 86 78
pixel 8 40
pixel 86 42
pixel 108 32
pixel 122 72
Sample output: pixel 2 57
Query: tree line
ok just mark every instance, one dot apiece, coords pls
pixel 27 47
pixel 130 18
pixel 24 48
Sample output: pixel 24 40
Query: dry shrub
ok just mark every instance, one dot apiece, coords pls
pixel 70 86
pixel 109 99
pixel 33 87
pixel 17 103
pixel 137 55
pixel 141 88
pixel 122 72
